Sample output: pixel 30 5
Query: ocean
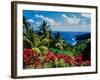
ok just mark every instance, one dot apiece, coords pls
pixel 70 37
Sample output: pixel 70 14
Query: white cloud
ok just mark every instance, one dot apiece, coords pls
pixel 69 24
pixel 51 21
pixel 30 20
pixel 75 24
pixel 38 23
pixel 87 15
pixel 71 20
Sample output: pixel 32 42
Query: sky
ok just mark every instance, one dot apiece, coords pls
pixel 60 21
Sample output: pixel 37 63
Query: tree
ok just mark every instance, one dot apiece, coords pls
pixel 45 30
pixel 57 41
pixel 30 39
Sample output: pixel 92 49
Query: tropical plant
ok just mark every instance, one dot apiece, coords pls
pixel 57 41
pixel 43 50
pixel 44 31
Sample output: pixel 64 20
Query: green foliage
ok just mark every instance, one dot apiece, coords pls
pixel 43 50
pixel 36 50
pixel 65 52
pixel 45 41
pixel 59 63
pixel 57 41
pixel 79 48
pixel 56 63
pixel 42 38
pixel 32 39
pixel 48 64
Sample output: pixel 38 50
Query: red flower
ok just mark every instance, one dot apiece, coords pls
pixel 60 56
pixel 78 60
pixel 26 55
pixel 46 59
pixel 36 62
pixel 50 57
pixel 69 59
pixel 29 56
pixel 87 62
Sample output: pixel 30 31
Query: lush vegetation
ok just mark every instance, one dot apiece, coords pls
pixel 41 49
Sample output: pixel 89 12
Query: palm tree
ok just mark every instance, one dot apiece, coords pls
pixel 45 30
pixel 45 33
pixel 57 41
pixel 30 39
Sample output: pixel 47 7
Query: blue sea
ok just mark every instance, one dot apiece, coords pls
pixel 69 37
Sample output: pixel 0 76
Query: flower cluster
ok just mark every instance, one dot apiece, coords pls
pixel 31 57
pixel 50 57
pixel 79 60
pixel 71 60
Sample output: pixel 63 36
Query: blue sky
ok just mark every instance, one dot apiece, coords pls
pixel 60 21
